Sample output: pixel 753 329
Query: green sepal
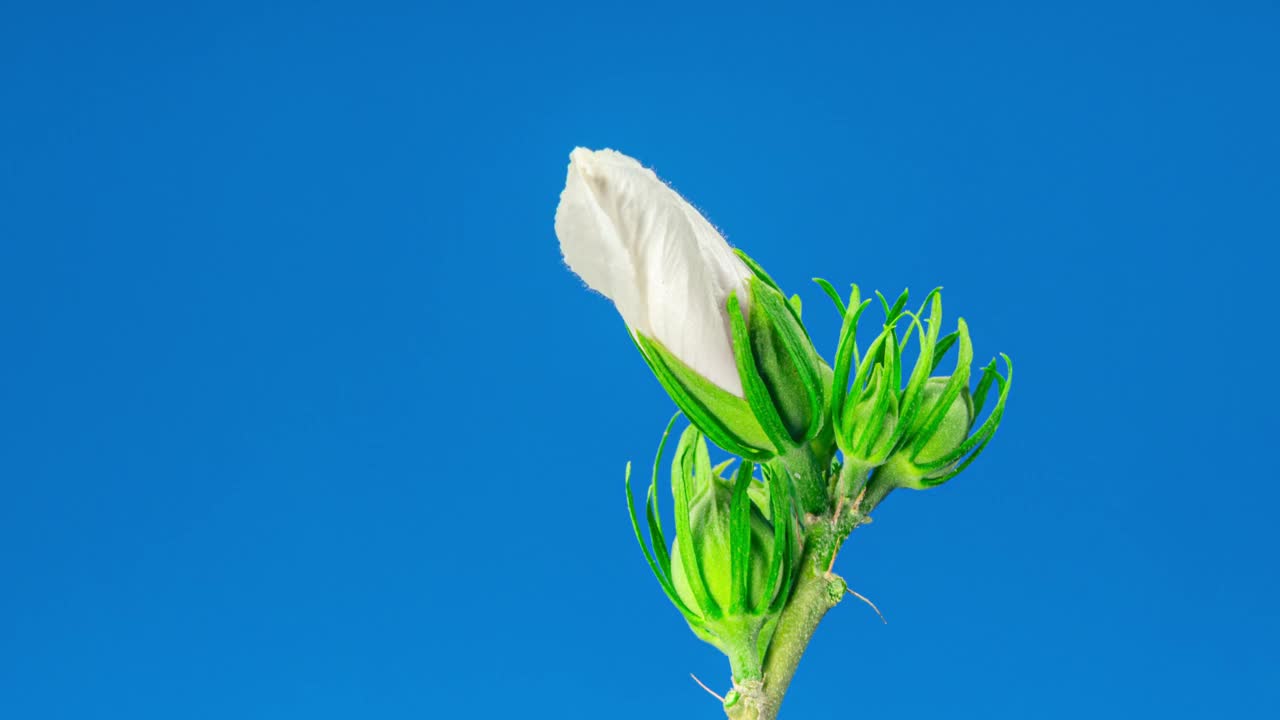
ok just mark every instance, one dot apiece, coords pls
pixel 657 558
pixel 785 540
pixel 724 417
pixel 759 399
pixel 978 441
pixel 958 381
pixel 831 293
pixel 756 270
pixel 718 470
pixel 764 277
pixel 740 541
pixel 847 358
pixel 845 435
pixel 925 364
pixel 940 351
pixel 891 313
pixel 686 470
pixel 885 390
pixel 787 363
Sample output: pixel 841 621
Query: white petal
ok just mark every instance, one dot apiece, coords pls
pixel 667 270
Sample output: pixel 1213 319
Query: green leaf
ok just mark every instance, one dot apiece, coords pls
pixel 796 305
pixel 831 293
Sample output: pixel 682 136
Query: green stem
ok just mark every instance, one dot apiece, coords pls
pixel 817 590
pixel 809 478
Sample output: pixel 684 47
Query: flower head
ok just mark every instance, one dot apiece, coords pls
pixel 716 330
pixel 636 241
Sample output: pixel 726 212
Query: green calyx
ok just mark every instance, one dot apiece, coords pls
pixel 724 417
pixel 875 415
pixel 734 553
pixel 956 419
pixel 782 375
pixel 918 435
pixel 868 416
pixel 784 380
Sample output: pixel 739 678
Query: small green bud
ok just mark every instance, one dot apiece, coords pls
pixel 730 565
pixel 932 447
pixel 709 523
pixel 955 426
pixel 869 423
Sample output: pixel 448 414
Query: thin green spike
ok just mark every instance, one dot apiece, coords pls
pixel 689 455
pixel 977 441
pixel 665 582
pixel 891 313
pixel 884 305
pixel 753 386
pixel 846 358
pixel 958 381
pixel 698 414
pixel 831 293
pixel 910 404
pixel 799 350
pixel 984 385
pixel 885 388
pixel 718 470
pixel 996 413
pixel 940 350
pixel 783 536
pixel 755 268
pixel 740 541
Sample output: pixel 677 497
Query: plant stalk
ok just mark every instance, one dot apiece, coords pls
pixel 817 590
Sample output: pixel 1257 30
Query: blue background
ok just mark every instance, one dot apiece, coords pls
pixel 301 414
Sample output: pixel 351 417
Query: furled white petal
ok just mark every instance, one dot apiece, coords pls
pixel 668 271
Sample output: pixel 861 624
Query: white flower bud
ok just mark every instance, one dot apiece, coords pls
pixel 636 241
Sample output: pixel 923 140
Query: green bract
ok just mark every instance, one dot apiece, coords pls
pixel 783 379
pixel 734 553
pixel 917 434
pixel 957 420
pixel 938 444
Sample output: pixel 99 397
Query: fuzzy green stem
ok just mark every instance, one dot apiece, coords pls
pixel 744 658
pixel 817 590
pixel 809 478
